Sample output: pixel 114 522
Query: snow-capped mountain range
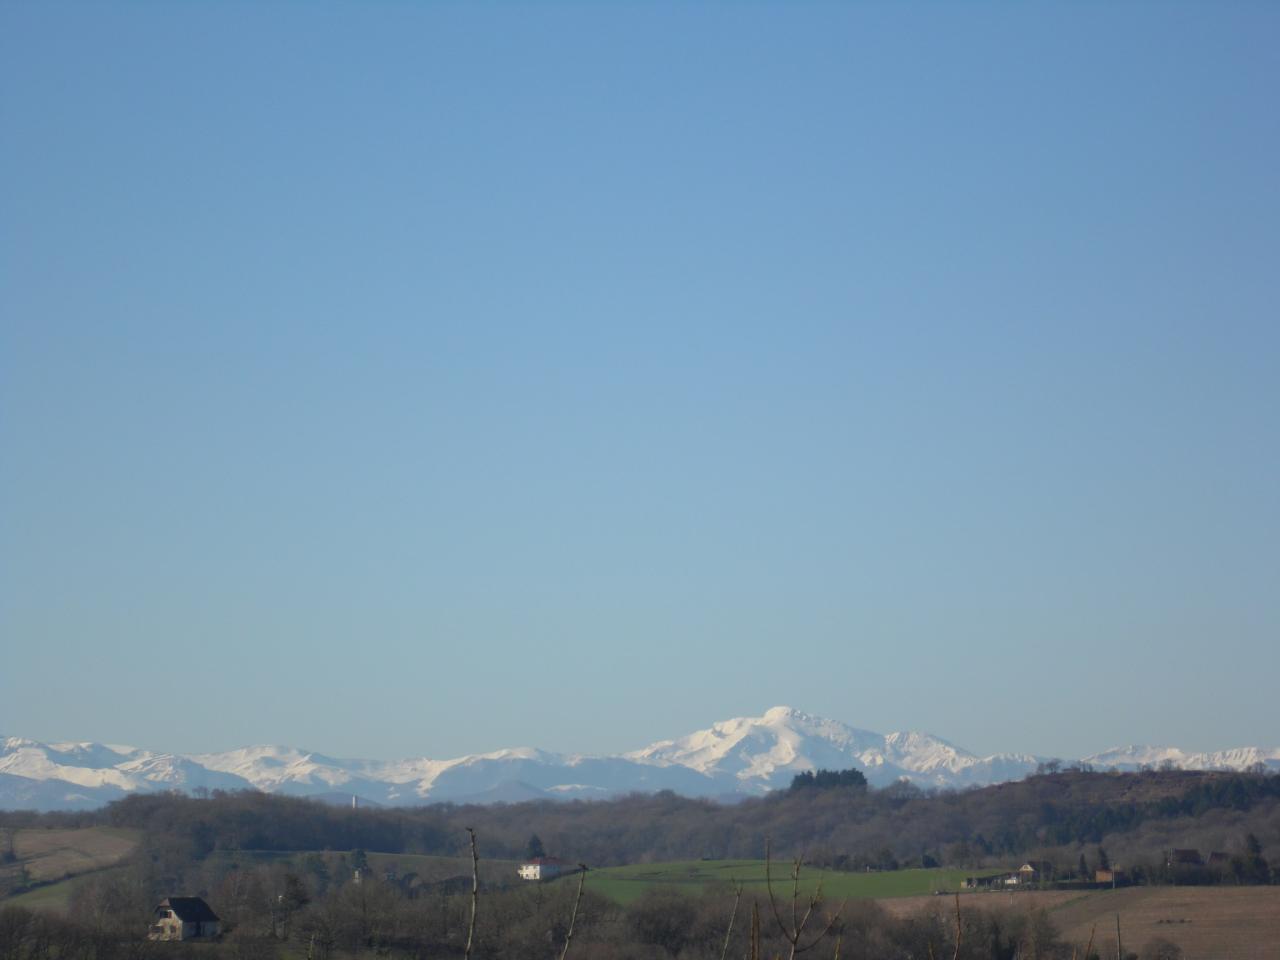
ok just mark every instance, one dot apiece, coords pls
pixel 741 757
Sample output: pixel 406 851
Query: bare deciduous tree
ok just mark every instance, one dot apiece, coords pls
pixel 794 933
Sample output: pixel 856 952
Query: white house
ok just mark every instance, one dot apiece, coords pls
pixel 543 868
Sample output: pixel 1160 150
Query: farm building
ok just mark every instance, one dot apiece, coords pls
pixel 985 883
pixel 183 918
pixel 543 868
pixel 1033 871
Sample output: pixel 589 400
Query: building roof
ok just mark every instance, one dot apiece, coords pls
pixel 189 909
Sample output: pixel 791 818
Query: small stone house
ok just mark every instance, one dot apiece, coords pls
pixel 183 918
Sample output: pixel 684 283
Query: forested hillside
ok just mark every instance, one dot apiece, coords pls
pixel 1057 816
pixel 289 875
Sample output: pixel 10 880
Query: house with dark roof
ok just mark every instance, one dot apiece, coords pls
pixel 183 918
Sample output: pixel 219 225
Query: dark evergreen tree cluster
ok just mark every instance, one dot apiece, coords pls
pixel 827 779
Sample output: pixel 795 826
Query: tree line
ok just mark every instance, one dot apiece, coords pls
pixel 831 818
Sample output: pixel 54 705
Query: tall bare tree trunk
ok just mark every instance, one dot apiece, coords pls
pixel 475 893
pixel 573 919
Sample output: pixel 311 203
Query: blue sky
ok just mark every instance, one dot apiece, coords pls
pixel 418 379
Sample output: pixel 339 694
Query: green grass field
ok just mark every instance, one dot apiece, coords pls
pixel 625 884
pixel 622 884
pixel 58 859
pixel 53 896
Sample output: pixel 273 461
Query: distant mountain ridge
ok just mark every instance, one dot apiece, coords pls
pixel 745 756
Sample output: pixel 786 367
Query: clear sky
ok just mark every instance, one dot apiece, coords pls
pixel 418 379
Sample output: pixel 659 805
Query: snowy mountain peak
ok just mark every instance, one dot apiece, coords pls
pixel 772 748
pixel 1135 756
pixel 742 756
pixel 777 714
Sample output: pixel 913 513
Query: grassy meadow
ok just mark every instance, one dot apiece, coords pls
pixel 52 896
pixel 59 859
pixel 625 884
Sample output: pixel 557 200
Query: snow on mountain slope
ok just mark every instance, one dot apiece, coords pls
pixel 1133 757
pixel 170 772
pixel 764 753
pixel 759 752
pixel 739 757
pixel 924 753
pixel 80 764
pixel 91 754
pixel 269 768
pixel 24 793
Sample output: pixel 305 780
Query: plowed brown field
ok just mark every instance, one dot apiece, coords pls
pixel 54 854
pixel 1208 923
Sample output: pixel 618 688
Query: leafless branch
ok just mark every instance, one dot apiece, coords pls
pixel 795 932
pixel 959 928
pixel 795 890
pixel 826 931
pixel 768 882
pixel 737 898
